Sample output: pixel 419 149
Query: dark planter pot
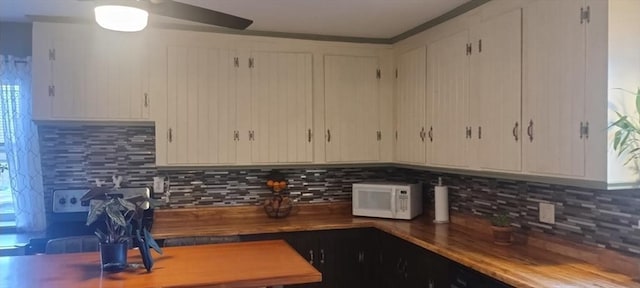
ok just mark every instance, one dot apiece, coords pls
pixel 113 257
pixel 502 235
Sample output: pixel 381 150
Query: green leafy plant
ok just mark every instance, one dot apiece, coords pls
pixel 501 219
pixel 626 140
pixel 117 214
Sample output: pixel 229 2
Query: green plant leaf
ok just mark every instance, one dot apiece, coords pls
pixel 151 242
pixel 98 209
pixel 101 236
pixel 126 204
pixel 616 139
pixel 113 210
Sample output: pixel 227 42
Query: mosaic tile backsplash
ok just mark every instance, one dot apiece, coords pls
pixel 73 156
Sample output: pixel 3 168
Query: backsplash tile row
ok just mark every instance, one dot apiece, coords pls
pixel 73 156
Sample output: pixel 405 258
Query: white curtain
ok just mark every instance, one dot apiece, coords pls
pixel 21 144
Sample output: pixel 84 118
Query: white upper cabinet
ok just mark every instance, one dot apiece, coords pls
pixel 554 88
pixel 281 107
pixel 448 131
pixel 352 108
pixel 206 111
pixel 87 73
pixel 495 97
pixel 201 106
pixel 410 107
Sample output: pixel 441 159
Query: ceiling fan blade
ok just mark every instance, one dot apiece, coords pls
pixel 198 14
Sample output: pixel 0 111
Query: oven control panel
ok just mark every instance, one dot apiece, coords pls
pixel 66 201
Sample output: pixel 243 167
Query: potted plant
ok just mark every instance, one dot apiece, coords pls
pixel 502 230
pixel 626 139
pixel 116 233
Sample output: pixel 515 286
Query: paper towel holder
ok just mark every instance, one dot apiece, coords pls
pixel 441 203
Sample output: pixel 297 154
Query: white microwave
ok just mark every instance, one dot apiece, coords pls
pixel 387 200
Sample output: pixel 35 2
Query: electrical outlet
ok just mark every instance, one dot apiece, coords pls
pixel 547 213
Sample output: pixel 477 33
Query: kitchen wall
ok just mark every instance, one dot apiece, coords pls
pixel 74 155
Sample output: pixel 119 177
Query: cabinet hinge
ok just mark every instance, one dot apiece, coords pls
pixel 585 14
pixel 236 62
pixel 250 62
pixel 584 130
pixel 378 73
pixel 52 90
pixel 52 54
pixel 379 135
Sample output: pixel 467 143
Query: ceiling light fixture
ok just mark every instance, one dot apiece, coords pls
pixel 118 16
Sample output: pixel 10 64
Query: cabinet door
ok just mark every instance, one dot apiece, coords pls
pixel 89 77
pixel 448 100
pixel 281 107
pixel 201 106
pixel 410 107
pixel 116 79
pixel 351 109
pixel 496 93
pixel 553 87
pixel 68 71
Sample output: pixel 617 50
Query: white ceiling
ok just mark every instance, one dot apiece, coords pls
pixel 352 18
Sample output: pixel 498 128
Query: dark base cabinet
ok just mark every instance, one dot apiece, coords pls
pixel 367 257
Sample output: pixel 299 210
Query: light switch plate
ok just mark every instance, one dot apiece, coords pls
pixel 547 213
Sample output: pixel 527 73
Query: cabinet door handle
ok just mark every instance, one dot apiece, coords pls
pixel 581 130
pixel 321 256
pixel 170 135
pixel 251 135
pixel 360 257
pixel 479 132
pixel 515 131
pixel 146 99
pixel 328 135
pixel 236 135
pixel 309 135
pixel 431 134
pixel 422 134
pixel 530 130
pixel 311 257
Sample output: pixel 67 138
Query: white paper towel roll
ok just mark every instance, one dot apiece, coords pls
pixel 442 204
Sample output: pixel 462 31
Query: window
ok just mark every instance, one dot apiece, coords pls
pixel 7 215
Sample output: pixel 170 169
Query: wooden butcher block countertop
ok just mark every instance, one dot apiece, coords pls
pixel 530 264
pixel 245 264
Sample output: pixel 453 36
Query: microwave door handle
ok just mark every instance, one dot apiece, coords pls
pixel 393 203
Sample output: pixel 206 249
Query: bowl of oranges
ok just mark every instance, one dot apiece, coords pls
pixel 278 206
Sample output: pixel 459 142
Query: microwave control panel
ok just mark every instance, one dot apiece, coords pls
pixel 404 200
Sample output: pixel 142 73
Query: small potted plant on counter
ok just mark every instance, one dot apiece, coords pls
pixel 502 230
pixel 116 233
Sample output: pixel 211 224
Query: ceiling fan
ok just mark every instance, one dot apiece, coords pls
pixel 174 9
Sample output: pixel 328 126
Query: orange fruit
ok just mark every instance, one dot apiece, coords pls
pixel 283 184
pixel 270 183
